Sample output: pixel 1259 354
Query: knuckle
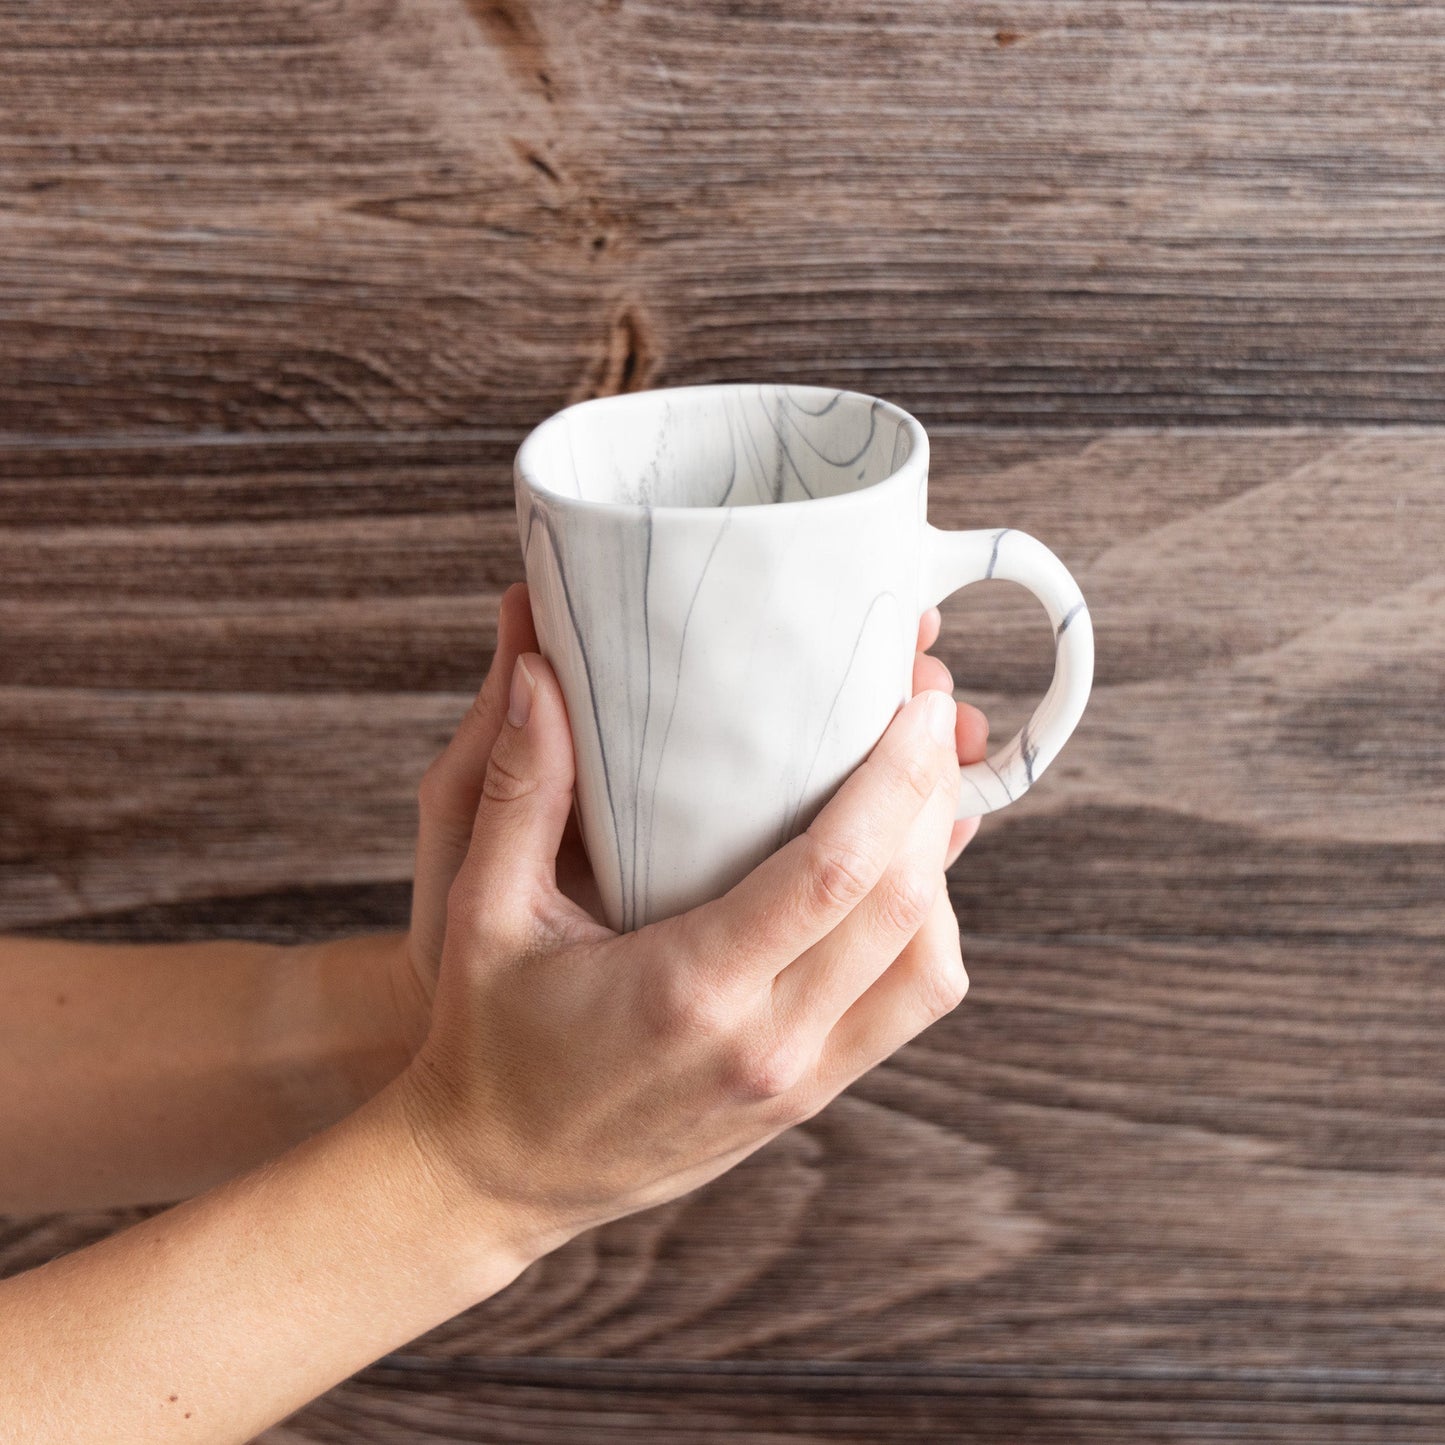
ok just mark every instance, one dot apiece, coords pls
pixel 491 913
pixel 684 1007
pixel 950 780
pixel 483 709
pixel 841 876
pixel 906 896
pixel 503 783
pixel 760 1073
pixel 907 772
pixel 945 985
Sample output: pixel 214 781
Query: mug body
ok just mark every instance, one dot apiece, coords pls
pixel 727 581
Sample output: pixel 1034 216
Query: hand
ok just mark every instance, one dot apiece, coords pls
pixel 972 729
pixel 572 1074
pixel 448 797
pixel 452 787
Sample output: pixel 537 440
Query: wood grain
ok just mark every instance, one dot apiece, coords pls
pixel 441 214
pixel 1289 581
pixel 282 288
pixel 697 1405
pixel 1175 1171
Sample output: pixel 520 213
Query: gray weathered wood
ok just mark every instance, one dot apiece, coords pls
pixel 281 288
pixel 1269 610
pixel 1178 1164
pixel 448 214
pixel 576 1404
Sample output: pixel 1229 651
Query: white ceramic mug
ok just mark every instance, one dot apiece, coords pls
pixel 728 581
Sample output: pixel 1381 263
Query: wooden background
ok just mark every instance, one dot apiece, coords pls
pixel 282 285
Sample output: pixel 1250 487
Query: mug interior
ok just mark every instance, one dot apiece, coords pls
pixel 717 446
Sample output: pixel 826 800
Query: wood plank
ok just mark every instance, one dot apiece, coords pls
pixel 324 555
pixel 1054 212
pixel 232 691
pixel 120 481
pixel 1073 1174
pixel 256 564
pixel 1116 1156
pixel 284 285
pixel 537 1401
pixel 1176 1169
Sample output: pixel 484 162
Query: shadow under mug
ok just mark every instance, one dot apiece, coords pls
pixel 728 582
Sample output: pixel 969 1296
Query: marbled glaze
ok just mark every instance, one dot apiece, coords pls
pixel 728 582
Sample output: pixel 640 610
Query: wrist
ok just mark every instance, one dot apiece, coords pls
pixel 487 1236
pixel 332 1029
pixel 459 1168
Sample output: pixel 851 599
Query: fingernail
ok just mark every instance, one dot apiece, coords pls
pixel 941 711
pixel 519 703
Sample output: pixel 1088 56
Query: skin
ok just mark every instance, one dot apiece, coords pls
pixel 432 1112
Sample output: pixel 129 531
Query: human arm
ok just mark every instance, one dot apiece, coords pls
pixel 212 1320
pixel 144 1073
pixel 569 1075
pixel 139 1074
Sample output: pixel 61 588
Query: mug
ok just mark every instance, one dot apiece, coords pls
pixel 728 582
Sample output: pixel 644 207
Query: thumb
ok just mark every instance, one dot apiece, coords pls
pixel 525 803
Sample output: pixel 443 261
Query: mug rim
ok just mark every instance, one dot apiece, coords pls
pixel 917 458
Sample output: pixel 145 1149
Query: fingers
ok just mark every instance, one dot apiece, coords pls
pixel 971 732
pixel 453 783
pixel 927 981
pixel 812 994
pixel 972 735
pixel 930 672
pixel 799 894
pixel 964 832
pixel 928 628
pixel 972 725
pixel 509 877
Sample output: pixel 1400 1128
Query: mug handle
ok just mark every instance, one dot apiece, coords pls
pixel 952 560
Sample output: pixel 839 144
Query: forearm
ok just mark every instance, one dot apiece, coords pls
pixel 134 1074
pixel 219 1317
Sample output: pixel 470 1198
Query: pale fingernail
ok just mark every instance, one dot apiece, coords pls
pixel 519 702
pixel 941 711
